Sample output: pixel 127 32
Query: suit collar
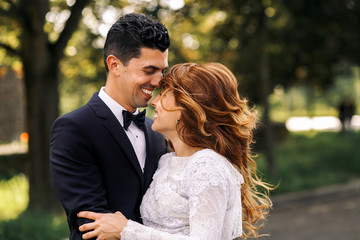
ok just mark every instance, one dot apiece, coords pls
pixel 116 130
pixel 151 157
pixel 99 107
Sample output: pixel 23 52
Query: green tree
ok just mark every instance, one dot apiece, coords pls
pixel 269 42
pixel 235 33
pixel 318 37
pixel 40 57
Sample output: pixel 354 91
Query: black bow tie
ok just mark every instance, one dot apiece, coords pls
pixel 137 119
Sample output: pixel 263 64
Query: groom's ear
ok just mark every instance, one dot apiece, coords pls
pixel 114 65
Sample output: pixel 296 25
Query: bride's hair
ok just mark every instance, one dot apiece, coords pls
pixel 214 116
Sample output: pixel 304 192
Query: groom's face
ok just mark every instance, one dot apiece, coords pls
pixel 141 76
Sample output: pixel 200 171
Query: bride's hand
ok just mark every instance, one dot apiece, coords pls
pixel 106 226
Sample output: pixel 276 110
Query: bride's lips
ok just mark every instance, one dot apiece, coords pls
pixel 156 114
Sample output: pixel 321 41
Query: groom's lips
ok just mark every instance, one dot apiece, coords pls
pixel 148 91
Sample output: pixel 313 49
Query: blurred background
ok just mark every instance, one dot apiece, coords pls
pixel 298 63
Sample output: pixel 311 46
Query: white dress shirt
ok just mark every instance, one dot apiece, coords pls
pixel 135 134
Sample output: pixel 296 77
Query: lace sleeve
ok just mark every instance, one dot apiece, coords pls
pixel 209 192
pixel 136 231
pixel 208 188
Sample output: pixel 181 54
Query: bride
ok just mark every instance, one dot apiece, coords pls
pixel 207 187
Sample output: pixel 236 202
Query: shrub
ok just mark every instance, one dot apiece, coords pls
pixel 37 225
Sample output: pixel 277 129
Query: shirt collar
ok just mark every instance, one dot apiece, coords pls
pixel 114 106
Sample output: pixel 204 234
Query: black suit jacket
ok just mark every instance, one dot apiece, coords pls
pixel 94 166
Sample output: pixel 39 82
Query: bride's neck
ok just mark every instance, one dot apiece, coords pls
pixel 182 149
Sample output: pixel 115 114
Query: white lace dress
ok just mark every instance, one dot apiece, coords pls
pixel 196 197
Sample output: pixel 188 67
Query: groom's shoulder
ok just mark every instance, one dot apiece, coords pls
pixel 81 118
pixel 77 114
pixel 149 120
pixel 85 110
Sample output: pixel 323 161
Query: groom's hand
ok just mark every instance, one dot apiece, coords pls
pixel 107 226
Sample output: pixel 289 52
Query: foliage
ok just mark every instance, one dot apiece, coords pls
pixel 82 74
pixel 310 160
pixel 41 37
pixel 293 101
pixel 14 197
pixel 12 164
pixel 305 41
pixel 17 223
pixel 39 225
pixel 268 43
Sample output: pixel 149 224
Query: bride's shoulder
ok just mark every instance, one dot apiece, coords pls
pixel 208 156
pixel 207 160
pixel 164 159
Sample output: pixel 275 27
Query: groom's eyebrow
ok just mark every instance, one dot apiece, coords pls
pixel 151 66
pixel 156 68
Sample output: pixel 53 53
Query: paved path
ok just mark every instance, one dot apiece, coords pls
pixel 331 213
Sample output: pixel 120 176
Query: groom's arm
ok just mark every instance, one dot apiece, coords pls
pixel 75 172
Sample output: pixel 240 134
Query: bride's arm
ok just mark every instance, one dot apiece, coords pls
pixel 207 203
pixel 208 191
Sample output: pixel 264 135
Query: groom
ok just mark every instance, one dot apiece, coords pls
pixel 103 155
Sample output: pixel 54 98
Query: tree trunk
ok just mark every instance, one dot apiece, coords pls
pixel 40 74
pixel 265 92
pixel 40 61
pixel 41 113
pixel 309 98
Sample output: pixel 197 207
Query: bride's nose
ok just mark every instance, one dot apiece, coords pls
pixel 154 101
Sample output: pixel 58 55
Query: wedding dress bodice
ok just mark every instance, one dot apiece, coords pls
pixel 196 197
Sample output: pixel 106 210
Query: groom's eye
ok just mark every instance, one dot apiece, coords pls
pixel 149 72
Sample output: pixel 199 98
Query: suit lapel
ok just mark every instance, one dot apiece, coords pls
pixel 115 129
pixel 151 161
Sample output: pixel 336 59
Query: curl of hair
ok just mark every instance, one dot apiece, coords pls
pixel 132 32
pixel 214 116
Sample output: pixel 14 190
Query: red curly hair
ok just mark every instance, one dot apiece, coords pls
pixel 214 116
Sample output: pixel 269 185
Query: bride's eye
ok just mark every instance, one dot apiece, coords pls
pixel 164 72
pixel 161 91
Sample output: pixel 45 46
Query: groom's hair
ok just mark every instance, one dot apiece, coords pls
pixel 132 32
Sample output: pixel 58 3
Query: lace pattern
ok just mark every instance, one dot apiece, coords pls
pixel 196 197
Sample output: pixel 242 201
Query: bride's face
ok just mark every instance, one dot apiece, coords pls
pixel 166 114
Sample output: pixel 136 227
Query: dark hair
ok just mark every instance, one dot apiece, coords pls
pixel 132 32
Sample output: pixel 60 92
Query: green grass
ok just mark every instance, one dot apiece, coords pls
pixel 314 159
pixel 38 225
pixel 16 223
pixel 14 196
